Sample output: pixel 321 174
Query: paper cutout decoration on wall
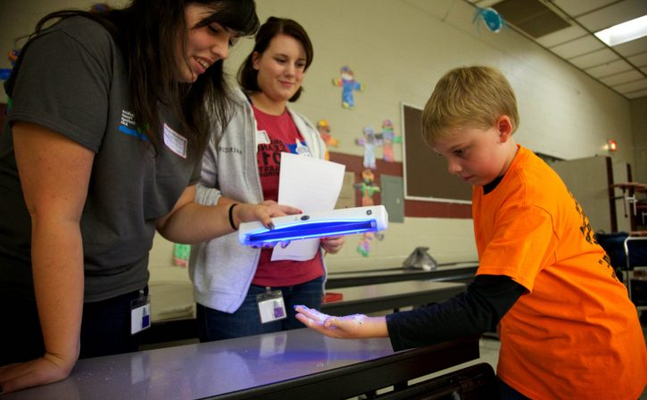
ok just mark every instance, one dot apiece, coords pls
pixel 492 19
pixel 99 8
pixel 5 73
pixel 370 141
pixel 181 254
pixel 367 187
pixel 364 246
pixel 388 138
pixel 349 85
pixel 324 131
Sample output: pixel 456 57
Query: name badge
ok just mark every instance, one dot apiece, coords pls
pixel 174 141
pixel 302 149
pixel 140 314
pixel 262 137
pixel 271 306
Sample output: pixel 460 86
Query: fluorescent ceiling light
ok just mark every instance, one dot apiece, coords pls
pixel 624 32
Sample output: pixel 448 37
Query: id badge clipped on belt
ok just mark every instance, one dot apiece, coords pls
pixel 140 313
pixel 271 306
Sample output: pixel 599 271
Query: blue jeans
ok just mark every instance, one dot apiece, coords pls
pixel 246 321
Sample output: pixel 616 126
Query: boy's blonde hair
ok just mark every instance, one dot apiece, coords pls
pixel 473 97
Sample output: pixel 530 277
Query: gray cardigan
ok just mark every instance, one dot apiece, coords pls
pixel 222 270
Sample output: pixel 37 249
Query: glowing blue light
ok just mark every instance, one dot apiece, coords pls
pixel 316 229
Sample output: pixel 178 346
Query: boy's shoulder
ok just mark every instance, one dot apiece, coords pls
pixel 533 180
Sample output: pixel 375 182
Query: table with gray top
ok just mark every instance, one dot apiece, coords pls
pixel 391 296
pixel 298 364
pixel 448 272
pixel 355 300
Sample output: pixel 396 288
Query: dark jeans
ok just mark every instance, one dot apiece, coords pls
pixel 508 393
pixel 246 321
pixel 105 329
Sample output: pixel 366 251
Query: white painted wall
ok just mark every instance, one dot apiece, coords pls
pixel 639 126
pixel 398 50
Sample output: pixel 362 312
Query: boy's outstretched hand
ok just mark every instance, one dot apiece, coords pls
pixel 349 327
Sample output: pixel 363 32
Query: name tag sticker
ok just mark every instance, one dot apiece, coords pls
pixel 262 137
pixel 174 141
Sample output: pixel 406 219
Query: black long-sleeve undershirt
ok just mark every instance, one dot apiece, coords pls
pixel 473 312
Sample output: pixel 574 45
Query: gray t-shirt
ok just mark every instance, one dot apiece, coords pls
pixel 73 80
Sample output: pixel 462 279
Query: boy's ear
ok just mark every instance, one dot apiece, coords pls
pixel 504 126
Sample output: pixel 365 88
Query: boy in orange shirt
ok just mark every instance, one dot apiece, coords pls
pixel 567 327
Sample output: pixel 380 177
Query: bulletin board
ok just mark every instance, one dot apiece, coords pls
pixel 425 172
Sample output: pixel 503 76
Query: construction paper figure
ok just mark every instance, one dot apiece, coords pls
pixel 367 187
pixel 388 138
pixel 181 253
pixel 364 245
pixel 349 85
pixel 369 142
pixel 324 131
pixel 99 8
pixel 5 73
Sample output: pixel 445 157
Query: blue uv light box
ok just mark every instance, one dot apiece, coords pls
pixel 344 221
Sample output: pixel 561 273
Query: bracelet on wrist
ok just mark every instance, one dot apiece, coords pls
pixel 231 216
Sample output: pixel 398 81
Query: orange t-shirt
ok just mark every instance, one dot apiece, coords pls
pixel 575 334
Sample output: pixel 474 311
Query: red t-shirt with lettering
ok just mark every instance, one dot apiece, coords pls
pixel 281 136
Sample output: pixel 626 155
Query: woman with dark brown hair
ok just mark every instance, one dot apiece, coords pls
pixel 233 284
pixel 103 144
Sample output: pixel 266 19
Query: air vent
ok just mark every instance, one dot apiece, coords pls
pixel 531 16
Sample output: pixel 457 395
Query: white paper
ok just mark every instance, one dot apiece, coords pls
pixel 311 185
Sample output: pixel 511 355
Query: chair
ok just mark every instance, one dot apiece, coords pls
pixel 635 250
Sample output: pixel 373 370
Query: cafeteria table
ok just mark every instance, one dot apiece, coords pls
pixel 297 364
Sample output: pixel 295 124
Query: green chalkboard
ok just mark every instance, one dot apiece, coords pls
pixel 425 172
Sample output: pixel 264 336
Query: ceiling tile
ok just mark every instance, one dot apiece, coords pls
pixel 435 8
pixel 595 58
pixel 561 36
pixel 624 77
pixel 609 68
pixel 531 16
pixel 613 14
pixel 631 48
pixel 484 3
pixel 577 47
pixel 622 68
pixel 579 7
pixel 637 94
pixel 639 60
pixel 631 86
